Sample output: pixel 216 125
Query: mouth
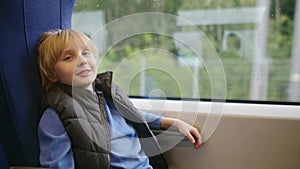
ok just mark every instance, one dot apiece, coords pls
pixel 84 73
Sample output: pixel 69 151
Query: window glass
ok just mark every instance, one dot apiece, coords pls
pixel 204 49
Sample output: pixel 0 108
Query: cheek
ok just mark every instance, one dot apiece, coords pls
pixel 64 72
pixel 94 64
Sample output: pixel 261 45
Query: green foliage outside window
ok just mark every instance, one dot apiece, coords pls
pixel 237 68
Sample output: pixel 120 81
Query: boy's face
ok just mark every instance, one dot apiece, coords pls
pixel 77 66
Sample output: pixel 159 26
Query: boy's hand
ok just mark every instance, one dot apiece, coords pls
pixel 191 133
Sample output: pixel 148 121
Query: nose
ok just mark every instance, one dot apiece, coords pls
pixel 81 60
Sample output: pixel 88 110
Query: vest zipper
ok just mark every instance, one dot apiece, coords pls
pixel 103 114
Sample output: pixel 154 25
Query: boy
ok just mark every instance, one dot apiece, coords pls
pixel 87 121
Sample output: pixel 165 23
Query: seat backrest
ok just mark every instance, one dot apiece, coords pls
pixel 3 160
pixel 22 23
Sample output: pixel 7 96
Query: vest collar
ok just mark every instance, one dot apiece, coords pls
pixel 103 83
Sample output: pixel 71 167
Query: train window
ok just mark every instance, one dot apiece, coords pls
pixel 239 50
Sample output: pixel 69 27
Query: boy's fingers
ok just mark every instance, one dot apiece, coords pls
pixel 190 138
pixel 197 145
pixel 196 134
pixel 197 137
pixel 195 141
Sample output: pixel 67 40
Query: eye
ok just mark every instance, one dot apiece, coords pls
pixel 68 57
pixel 86 53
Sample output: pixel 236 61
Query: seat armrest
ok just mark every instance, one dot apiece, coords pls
pixel 171 137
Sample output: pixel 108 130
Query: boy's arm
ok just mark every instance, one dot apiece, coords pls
pixel 191 133
pixel 55 145
pixel 153 120
pixel 161 122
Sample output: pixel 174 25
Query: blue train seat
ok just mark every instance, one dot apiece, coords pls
pixel 22 23
pixel 3 160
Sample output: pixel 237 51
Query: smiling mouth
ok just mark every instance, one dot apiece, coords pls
pixel 84 73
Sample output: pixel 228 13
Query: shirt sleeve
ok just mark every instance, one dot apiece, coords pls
pixel 153 120
pixel 55 145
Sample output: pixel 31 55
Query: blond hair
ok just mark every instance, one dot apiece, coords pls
pixel 52 44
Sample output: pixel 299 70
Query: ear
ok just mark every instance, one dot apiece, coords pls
pixel 53 77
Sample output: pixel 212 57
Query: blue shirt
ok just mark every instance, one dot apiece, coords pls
pixel 126 151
